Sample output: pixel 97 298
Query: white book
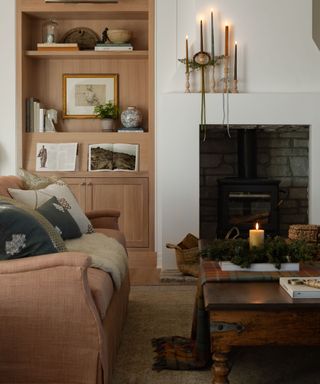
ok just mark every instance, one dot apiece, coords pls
pixel 113 48
pixel 56 157
pixel 299 291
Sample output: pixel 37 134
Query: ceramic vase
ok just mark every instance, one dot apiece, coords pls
pixel 131 118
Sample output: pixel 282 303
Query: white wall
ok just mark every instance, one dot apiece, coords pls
pixel 7 81
pixel 279 81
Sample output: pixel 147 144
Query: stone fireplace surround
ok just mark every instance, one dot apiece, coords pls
pixel 178 195
pixel 281 154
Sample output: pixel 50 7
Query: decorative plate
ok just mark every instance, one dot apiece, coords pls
pixel 85 37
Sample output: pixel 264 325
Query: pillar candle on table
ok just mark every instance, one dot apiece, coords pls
pixel 226 50
pixel 256 237
pixel 187 55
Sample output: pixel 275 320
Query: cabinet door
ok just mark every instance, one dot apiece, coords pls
pixel 130 197
pixel 78 188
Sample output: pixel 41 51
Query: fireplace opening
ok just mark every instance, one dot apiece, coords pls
pixel 260 174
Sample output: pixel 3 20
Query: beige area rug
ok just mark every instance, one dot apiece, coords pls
pixel 167 310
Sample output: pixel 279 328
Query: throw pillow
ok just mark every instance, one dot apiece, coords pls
pixel 32 181
pixel 24 232
pixel 60 218
pixel 35 198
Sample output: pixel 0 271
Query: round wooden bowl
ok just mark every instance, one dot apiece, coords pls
pixel 119 36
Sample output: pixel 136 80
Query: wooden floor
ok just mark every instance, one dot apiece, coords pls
pixel 143 269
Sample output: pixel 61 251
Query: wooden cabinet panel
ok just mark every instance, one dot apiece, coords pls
pixel 130 197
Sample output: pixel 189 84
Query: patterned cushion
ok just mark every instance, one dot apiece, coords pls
pixel 35 198
pixel 32 181
pixel 60 218
pixel 24 232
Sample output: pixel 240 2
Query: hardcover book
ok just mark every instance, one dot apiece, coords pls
pixel 113 157
pixel 296 289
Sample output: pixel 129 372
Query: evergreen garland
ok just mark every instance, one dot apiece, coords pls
pixel 276 251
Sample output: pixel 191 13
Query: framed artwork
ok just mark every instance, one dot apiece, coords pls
pixel 82 92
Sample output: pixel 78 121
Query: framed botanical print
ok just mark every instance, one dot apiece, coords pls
pixel 82 92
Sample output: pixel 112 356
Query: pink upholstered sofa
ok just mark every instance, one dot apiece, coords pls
pixel 60 320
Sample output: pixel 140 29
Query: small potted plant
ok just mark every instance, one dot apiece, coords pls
pixel 108 113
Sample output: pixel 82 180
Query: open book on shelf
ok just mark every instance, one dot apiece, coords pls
pixel 56 157
pixel 113 157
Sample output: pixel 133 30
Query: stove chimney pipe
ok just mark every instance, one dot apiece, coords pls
pixel 247 153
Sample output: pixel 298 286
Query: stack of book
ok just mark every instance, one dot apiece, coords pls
pixel 57 47
pixel 297 287
pixel 113 47
pixel 136 129
pixel 35 115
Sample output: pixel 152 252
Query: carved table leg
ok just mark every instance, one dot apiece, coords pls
pixel 220 368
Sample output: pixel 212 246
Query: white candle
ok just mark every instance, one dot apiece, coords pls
pixel 256 237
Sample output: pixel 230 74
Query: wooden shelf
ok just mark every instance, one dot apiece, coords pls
pixel 135 55
pixel 103 174
pixel 86 135
pixel 39 74
pixel 124 10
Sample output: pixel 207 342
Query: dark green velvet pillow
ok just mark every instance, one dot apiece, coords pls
pixel 24 232
pixel 60 219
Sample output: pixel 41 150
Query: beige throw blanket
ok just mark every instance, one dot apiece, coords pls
pixel 106 254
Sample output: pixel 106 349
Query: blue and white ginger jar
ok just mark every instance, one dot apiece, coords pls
pixel 131 118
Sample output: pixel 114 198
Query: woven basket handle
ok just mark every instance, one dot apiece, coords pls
pixel 233 229
pixel 172 246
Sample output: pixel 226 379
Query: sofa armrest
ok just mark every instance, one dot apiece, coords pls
pixel 48 320
pixel 107 218
pixel 28 264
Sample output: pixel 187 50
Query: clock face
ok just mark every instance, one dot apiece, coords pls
pixel 202 58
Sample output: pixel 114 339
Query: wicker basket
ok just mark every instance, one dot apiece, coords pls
pixel 307 232
pixel 187 255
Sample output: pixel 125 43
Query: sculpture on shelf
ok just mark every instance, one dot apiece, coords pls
pixel 51 119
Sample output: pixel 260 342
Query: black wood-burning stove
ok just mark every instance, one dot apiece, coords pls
pixel 247 199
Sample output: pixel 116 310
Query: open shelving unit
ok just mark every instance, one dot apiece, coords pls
pixel 39 74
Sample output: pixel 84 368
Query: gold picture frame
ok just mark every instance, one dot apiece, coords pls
pixel 82 92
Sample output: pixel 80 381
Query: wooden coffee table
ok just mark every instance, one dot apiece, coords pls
pixel 253 314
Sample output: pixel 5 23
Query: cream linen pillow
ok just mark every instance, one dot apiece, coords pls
pixel 36 197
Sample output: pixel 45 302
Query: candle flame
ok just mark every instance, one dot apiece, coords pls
pixel 257 226
pixel 211 10
pixel 236 43
pixel 187 37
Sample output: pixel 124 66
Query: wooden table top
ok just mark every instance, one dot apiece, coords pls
pixel 252 296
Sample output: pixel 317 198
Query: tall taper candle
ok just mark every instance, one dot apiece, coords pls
pixel 201 36
pixel 236 61
pixel 226 50
pixel 187 55
pixel 212 36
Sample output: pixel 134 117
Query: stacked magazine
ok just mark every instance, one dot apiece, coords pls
pixel 113 47
pixel 296 288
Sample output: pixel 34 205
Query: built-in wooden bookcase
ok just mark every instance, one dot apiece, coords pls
pixel 39 74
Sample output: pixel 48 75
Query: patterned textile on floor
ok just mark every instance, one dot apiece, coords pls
pixel 182 353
